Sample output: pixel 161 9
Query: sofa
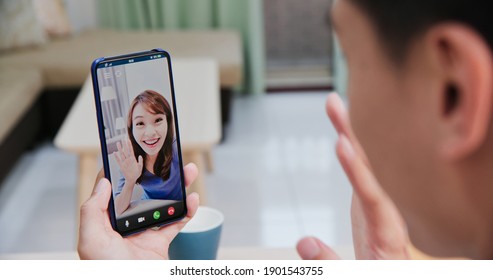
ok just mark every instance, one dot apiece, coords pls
pixel 38 85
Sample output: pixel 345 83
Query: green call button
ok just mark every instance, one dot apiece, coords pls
pixel 156 215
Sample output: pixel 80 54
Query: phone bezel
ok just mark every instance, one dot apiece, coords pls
pixel 102 136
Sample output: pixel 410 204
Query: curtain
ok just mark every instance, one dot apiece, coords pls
pixel 246 16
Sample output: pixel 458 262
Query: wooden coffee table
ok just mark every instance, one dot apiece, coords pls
pixel 198 105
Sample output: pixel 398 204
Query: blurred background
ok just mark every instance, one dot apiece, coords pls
pixel 263 143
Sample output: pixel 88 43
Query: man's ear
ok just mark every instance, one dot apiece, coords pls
pixel 464 60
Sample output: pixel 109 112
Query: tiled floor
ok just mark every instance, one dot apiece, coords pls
pixel 37 203
pixel 276 179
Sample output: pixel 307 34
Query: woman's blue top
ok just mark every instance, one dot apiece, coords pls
pixel 155 187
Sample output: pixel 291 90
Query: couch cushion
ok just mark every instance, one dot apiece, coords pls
pixel 66 62
pixel 19 89
pixel 19 26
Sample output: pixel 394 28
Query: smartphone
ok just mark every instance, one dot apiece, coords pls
pixel 140 140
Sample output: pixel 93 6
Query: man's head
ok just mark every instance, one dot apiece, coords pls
pixel 421 93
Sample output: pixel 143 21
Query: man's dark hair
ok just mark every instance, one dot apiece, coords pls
pixel 398 22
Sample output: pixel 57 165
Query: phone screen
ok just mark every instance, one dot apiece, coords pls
pixel 139 132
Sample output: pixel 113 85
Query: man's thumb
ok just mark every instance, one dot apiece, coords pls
pixel 100 195
pixel 311 248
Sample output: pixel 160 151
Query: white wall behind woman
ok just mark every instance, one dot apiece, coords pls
pixel 82 14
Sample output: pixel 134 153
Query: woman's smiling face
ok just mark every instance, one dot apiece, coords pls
pixel 149 129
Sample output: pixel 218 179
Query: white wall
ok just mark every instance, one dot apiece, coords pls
pixel 152 74
pixel 82 14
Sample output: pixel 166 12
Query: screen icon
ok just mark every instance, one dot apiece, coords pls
pixel 141 219
pixel 156 215
pixel 171 211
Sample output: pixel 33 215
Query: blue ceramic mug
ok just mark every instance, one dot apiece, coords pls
pixel 199 239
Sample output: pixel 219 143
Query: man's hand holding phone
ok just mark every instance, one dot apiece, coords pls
pixel 98 240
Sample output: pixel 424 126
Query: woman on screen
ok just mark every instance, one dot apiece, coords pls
pixel 149 157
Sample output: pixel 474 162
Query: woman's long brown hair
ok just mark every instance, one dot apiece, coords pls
pixel 156 104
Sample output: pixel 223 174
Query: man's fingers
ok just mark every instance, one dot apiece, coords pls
pixel 362 179
pixel 94 220
pixel 99 176
pixel 311 248
pixel 191 173
pixel 337 112
pixel 193 202
pixel 101 195
pixel 97 204
pixel 372 208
